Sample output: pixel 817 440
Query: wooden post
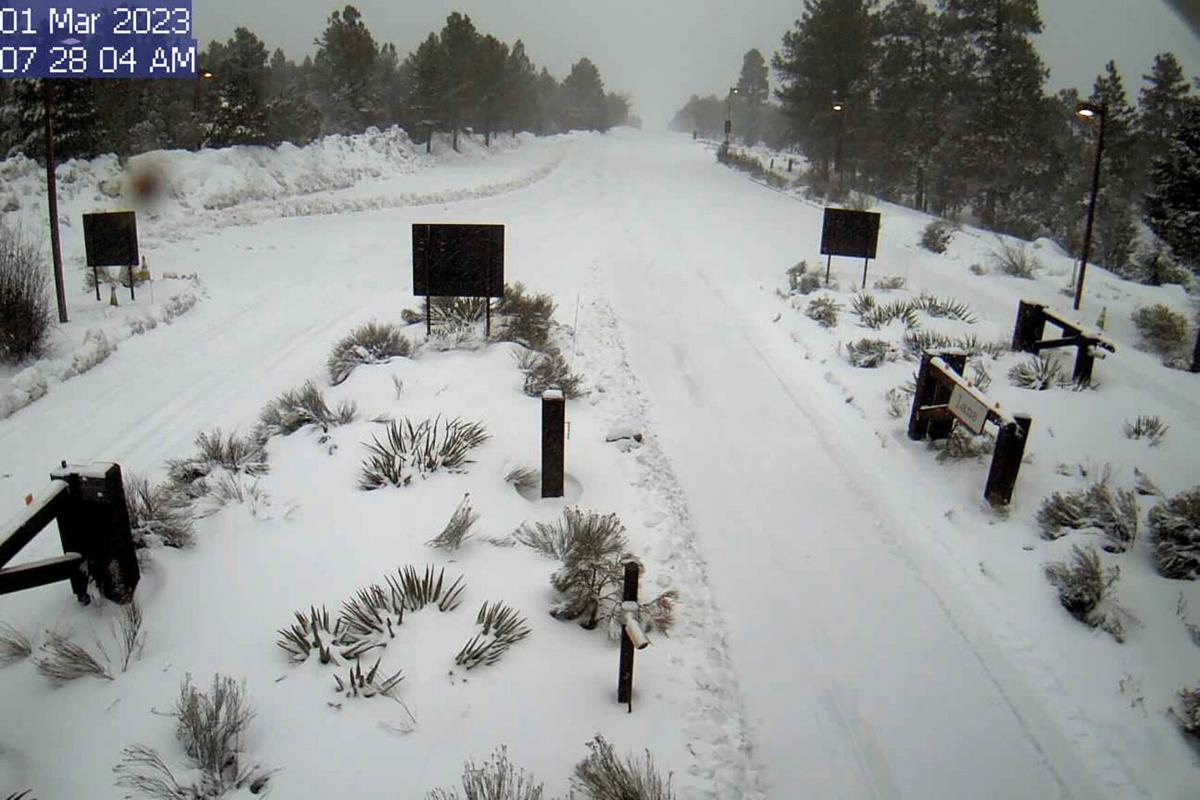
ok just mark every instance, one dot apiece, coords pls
pixel 941 428
pixel 60 292
pixel 95 524
pixel 1006 461
pixel 488 319
pixel 625 671
pixel 828 268
pixel 554 418
pixel 428 316
pixel 1031 323
pixel 1084 361
pixel 918 428
pixel 1196 352
pixel 866 262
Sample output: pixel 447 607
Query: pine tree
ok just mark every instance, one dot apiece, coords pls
pixel 345 73
pixel 753 92
pixel 827 55
pixel 291 117
pixel 583 98
pixel 491 62
pixel 521 89
pixel 1160 103
pixel 1170 209
pixel 460 89
pixel 549 103
pixel 1114 227
pixel 240 115
pixel 426 69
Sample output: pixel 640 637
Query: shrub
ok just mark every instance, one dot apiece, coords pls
pixel 159 513
pixel 937 235
pixel 1162 329
pixel 95 351
pixel 454 311
pixel 548 370
pixel 1098 507
pixel 870 353
pixel 1085 589
pixel 369 619
pixel 523 478
pixel 890 283
pixel 311 631
pixel 372 343
pixel 1175 531
pixel 980 376
pixel 420 449
pixel 496 779
pixel 603 776
pixel 62 661
pixel 14 645
pixel 875 316
pixel 962 445
pixel 296 408
pixel 502 628
pixel 917 342
pixel 796 277
pixel 899 400
pixel 824 310
pixel 458 529
pixel 1014 259
pixel 1188 713
pixel 943 308
pixel 587 531
pixel 1039 374
pixel 215 452
pixel 210 727
pixel 1148 427
pixel 526 319
pixel 25 309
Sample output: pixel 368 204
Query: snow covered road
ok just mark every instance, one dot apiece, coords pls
pixel 862 672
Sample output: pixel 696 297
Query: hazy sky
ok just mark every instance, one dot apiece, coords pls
pixel 662 51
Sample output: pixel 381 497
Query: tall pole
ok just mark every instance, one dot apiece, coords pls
pixel 729 114
pixel 839 111
pixel 52 198
pixel 1087 234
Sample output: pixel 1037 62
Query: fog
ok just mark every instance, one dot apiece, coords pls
pixel 662 51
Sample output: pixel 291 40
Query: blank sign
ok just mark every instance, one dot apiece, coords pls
pixel 458 260
pixel 111 239
pixel 850 233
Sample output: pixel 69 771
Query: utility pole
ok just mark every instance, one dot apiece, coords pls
pixel 1091 110
pixel 52 198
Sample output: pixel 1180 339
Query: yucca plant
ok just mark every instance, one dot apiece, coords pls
pixel 502 626
pixel 1039 374
pixel 161 512
pixel 1148 427
pixel 458 529
pixel 372 683
pixel 297 408
pixel 917 342
pixel 939 307
pixel 426 447
pixel 311 632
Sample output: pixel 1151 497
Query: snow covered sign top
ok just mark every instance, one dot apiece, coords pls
pixel 850 233
pixel 458 260
pixel 110 238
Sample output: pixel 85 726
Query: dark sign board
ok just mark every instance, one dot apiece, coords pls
pixel 458 260
pixel 850 233
pixel 110 238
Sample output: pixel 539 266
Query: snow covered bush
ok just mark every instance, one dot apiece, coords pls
pixel 1188 713
pixel 937 235
pixel 962 445
pixel 1148 427
pixel 158 513
pixel 824 310
pixel 454 311
pixel 1014 259
pixel 15 645
pixel 1039 374
pixel 310 632
pixel 495 779
pixel 369 619
pixel 870 353
pixel 899 399
pixel 1113 512
pixel 371 343
pixel 604 776
pixel 25 308
pixel 526 319
pixel 890 283
pixel 548 370
pixel 523 478
pixel 801 280
pixel 211 728
pixel 1162 329
pixel 421 449
pixel 95 350
pixel 943 308
pixel 1085 589
pixel 458 529
pixel 502 628
pixel 875 316
pixel 296 408
pixel 1175 532
pixel 216 453
pixel 917 342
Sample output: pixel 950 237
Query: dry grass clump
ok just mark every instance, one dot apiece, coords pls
pixel 1163 329
pixel 297 408
pixel 604 776
pixel 502 627
pixel 159 513
pixel 15 645
pixel 548 370
pixel 495 779
pixel 1085 589
pixel 63 661
pixel 1014 259
pixel 458 529
pixel 372 343
pixel 1112 512
pixel 1175 531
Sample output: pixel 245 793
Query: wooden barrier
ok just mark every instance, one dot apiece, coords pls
pixel 1030 327
pixel 943 398
pixel 88 503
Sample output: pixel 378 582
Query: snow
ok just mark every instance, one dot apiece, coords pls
pixel 854 621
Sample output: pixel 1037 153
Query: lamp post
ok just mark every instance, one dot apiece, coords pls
pixel 202 75
pixel 1087 111
pixel 729 114
pixel 839 114
pixel 60 291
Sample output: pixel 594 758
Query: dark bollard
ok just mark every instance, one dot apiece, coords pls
pixel 554 422
pixel 632 636
pixel 95 524
pixel 1196 352
pixel 1006 462
pixel 1031 324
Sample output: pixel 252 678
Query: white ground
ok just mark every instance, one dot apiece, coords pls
pixel 854 621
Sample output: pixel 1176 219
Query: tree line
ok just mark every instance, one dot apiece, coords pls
pixel 944 108
pixel 457 79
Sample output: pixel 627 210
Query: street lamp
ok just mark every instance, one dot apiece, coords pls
pixel 202 75
pixel 729 114
pixel 1088 110
pixel 839 113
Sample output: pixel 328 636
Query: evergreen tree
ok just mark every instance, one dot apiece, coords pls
pixel 549 103
pixel 1170 209
pixel 521 88
pixel 426 71
pixel 240 92
pixel 1160 103
pixel 491 58
pixel 77 124
pixel 460 88
pixel 616 109
pixel 826 56
pixel 584 105
pixel 753 92
pixel 1114 225
pixel 345 73
pixel 291 117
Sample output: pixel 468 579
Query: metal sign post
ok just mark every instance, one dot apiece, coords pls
pixel 111 240
pixel 854 234
pixel 458 261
